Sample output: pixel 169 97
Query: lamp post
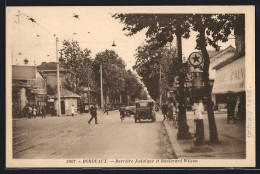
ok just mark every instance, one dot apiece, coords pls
pixel 88 90
pixel 101 87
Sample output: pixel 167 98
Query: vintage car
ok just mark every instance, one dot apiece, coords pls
pixel 130 110
pixel 145 109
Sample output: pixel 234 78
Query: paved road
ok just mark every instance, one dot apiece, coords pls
pixel 72 137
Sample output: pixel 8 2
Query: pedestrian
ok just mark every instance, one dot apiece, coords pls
pixel 164 111
pixel 40 110
pixel 231 103
pixel 170 111
pixel 93 112
pixel 43 111
pixel 30 111
pixel 122 114
pixel 106 109
pixel 199 110
pixel 34 112
pixel 174 110
pixel 25 111
pixel 72 110
pixel 242 108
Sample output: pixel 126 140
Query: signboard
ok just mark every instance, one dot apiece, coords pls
pixel 230 78
pixel 23 72
pixel 195 59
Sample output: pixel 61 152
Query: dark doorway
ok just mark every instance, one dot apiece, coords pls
pixel 62 107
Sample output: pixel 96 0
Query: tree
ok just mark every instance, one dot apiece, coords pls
pixel 160 29
pixel 212 28
pixel 150 60
pixel 78 64
pixel 113 72
pixel 132 86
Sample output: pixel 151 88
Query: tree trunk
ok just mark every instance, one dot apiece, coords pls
pixel 183 130
pixel 211 118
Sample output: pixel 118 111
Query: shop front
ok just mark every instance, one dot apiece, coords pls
pixel 230 81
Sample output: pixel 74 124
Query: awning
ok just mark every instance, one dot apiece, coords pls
pixel 230 78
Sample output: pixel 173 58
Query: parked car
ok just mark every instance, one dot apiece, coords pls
pixel 145 109
pixel 130 110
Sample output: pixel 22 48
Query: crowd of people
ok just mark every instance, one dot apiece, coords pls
pixel 170 111
pixel 32 111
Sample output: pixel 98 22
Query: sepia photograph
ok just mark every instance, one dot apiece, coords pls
pixel 139 86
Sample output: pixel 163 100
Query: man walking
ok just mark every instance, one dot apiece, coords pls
pixel 164 110
pixel 106 109
pixel 93 112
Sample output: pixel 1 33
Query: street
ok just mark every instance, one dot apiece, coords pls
pixel 72 137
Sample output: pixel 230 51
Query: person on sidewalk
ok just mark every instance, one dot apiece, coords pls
pixel 170 111
pixel 164 111
pixel 231 103
pixel 34 112
pixel 93 112
pixel 199 128
pixel 29 112
pixel 72 110
pixel 106 109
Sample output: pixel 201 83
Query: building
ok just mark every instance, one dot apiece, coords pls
pixel 68 98
pixel 230 75
pixel 28 87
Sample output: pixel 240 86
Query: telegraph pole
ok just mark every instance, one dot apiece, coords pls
pixel 88 90
pixel 58 78
pixel 160 86
pixel 101 86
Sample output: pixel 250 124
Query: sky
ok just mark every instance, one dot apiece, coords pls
pixel 95 29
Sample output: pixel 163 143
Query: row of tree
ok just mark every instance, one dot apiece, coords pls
pixel 162 28
pixel 83 71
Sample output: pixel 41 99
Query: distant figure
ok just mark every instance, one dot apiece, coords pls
pixel 242 108
pixel 39 110
pixel 25 111
pixel 170 111
pixel 52 110
pixel 72 110
pixel 30 111
pixel 199 110
pixel 34 112
pixel 93 112
pixel 106 109
pixel 164 111
pixel 43 112
pixel 231 103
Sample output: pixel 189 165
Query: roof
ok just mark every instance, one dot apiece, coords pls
pixel 227 61
pixel 213 53
pixel 49 66
pixel 66 94
pixel 23 72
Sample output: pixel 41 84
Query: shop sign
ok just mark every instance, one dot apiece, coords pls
pixel 230 78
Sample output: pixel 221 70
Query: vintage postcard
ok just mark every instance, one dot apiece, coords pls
pixel 150 86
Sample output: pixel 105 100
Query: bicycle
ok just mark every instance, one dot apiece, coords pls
pixel 175 121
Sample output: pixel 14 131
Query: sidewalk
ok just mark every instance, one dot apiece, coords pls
pixel 231 140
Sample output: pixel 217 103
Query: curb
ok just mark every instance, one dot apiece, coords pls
pixel 178 152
